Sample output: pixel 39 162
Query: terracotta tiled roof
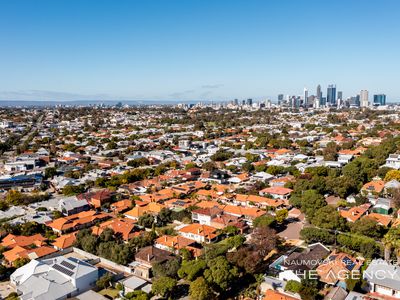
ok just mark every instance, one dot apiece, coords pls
pixel 276 190
pixel 275 295
pixel 200 230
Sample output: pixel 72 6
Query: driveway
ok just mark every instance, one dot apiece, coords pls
pixel 5 289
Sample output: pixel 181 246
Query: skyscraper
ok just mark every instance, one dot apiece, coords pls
pixel 340 95
pixel 380 99
pixel 319 92
pixel 331 94
pixel 305 96
pixel 364 98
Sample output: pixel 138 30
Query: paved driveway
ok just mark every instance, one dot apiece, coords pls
pixel 5 289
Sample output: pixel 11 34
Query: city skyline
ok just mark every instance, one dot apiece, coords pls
pixel 71 50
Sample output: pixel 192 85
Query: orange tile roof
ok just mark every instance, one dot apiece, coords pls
pixel 374 186
pixel 176 242
pixel 250 212
pixel 355 213
pixel 383 220
pixel 65 241
pixel 11 240
pixel 125 227
pixel 69 222
pixel 138 211
pixel 201 230
pixel 335 267
pixel 276 190
pixel 275 295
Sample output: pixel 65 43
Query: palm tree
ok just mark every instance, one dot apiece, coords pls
pixel 392 240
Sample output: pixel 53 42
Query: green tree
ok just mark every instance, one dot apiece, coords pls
pixel 329 218
pixel 163 286
pixel 293 286
pixel 50 172
pixel 190 270
pixel 199 290
pixel 281 215
pixel 104 281
pixel 266 220
pixel 220 273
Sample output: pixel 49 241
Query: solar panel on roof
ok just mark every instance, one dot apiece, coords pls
pixel 63 270
pixel 68 265
pixel 349 263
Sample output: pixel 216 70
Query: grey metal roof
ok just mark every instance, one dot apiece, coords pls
pixel 381 272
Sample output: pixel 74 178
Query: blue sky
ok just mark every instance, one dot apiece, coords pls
pixel 196 49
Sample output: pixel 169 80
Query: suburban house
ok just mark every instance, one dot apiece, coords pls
pixel 294 266
pixel 200 233
pixel 383 278
pixel 276 192
pixel 146 257
pixel 54 278
pixel 337 267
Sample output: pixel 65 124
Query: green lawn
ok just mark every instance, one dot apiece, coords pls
pixel 113 293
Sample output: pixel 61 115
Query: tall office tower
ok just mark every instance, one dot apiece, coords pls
pixel 280 99
pixel 236 102
pixel 305 96
pixel 364 98
pixel 319 92
pixel 380 99
pixel 340 95
pixel 250 102
pixel 331 94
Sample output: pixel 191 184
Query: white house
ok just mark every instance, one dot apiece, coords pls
pixel 393 161
pixel 383 278
pixel 54 278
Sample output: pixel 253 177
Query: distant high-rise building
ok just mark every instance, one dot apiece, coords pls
pixel 280 97
pixel 380 99
pixel 331 94
pixel 340 95
pixel 236 102
pixel 319 92
pixel 305 97
pixel 364 98
pixel 250 102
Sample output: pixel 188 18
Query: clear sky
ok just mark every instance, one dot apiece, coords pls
pixel 196 49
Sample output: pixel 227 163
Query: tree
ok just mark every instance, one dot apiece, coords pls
pixel 190 270
pixel 146 220
pixel 104 281
pixel 168 268
pixel 392 174
pixel 20 261
pixel 281 215
pixel 262 221
pixel 50 172
pixel 329 218
pixel 163 286
pixel 308 289
pixel 368 227
pixel 293 286
pixel 310 202
pixel 71 190
pixel 199 289
pixel 392 240
pixel 263 240
pixel 137 295
pixel 220 273
pixel 331 151
pixel 313 235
